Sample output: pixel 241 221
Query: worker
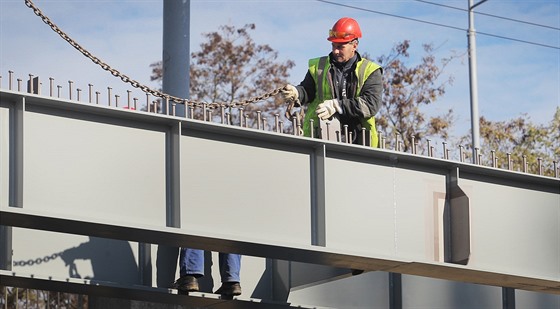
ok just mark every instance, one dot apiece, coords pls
pixel 342 86
pixel 191 267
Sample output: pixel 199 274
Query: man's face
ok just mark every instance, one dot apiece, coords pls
pixel 342 52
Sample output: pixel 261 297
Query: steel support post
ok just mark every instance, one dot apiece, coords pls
pixel 176 52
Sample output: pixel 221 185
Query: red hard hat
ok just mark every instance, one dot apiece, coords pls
pixel 345 30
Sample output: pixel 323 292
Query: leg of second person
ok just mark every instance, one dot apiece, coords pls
pixel 191 267
pixel 230 266
pixel 191 262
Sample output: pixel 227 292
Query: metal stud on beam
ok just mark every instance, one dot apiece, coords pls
pixel 128 98
pixel 109 96
pixel 30 87
pixel 90 88
pixel 312 128
pixel 277 122
pixel 475 156
pixel 429 148
pixel 148 102
pixel 10 79
pixel 51 86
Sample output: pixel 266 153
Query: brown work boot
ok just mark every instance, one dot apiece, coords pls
pixel 186 283
pixel 229 289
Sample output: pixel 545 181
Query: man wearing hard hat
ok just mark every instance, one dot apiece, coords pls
pixel 342 86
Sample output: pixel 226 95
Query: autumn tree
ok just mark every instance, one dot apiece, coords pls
pixel 522 141
pixel 231 67
pixel 14 297
pixel 406 90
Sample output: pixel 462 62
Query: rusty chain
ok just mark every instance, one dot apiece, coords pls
pixel 135 83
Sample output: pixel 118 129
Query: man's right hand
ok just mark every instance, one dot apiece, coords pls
pixel 289 93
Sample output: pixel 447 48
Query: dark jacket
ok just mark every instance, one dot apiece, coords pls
pixel 355 106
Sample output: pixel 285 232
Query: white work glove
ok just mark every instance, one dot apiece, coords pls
pixel 326 109
pixel 290 94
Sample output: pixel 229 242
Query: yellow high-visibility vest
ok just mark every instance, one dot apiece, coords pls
pixel 318 67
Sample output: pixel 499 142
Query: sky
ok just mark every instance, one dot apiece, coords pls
pixel 517 44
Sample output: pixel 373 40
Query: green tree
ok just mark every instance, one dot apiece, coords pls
pixel 230 67
pixel 522 140
pixel 406 91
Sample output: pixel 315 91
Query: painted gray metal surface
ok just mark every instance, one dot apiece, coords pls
pixel 268 195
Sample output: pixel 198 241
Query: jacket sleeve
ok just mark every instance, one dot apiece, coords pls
pixel 368 102
pixel 306 89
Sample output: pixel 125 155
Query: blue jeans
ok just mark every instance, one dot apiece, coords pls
pixel 191 262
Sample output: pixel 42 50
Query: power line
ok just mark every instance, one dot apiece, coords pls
pixel 391 15
pixel 516 40
pixel 436 24
pixel 490 15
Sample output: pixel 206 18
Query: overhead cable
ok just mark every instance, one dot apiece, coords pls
pixel 489 15
pixel 436 24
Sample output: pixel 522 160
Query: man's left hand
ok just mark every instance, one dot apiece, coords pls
pixel 328 108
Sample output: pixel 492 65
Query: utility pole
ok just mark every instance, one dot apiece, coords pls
pixel 475 121
pixel 176 51
pixel 175 82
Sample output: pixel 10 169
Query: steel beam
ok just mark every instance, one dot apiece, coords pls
pixel 158 179
pixel 306 254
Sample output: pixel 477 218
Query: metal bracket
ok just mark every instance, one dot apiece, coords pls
pixel 457 222
pixel 330 129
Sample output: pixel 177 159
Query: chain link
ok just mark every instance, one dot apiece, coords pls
pixel 136 84
pixel 37 261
